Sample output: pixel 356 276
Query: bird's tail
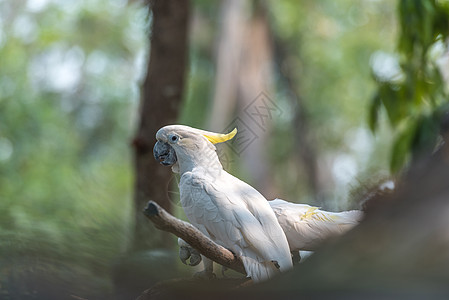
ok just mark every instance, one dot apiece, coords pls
pixel 350 217
pixel 259 271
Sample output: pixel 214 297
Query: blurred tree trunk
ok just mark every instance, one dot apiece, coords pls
pixel 162 93
pixel 232 16
pixel 161 96
pixel 305 154
pixel 255 85
pixel 244 71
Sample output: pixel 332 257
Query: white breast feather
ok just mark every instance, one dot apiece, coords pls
pixel 238 219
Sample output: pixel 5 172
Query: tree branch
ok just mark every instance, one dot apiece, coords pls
pixel 195 238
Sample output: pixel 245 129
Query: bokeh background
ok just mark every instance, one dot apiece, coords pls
pixel 71 73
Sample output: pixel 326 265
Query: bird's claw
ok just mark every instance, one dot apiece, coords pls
pixel 186 252
pixel 195 257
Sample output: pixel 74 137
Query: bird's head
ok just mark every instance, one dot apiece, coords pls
pixel 186 145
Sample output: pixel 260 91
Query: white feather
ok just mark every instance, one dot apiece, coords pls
pixel 306 227
pixel 238 218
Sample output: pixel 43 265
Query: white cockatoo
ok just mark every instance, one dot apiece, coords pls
pixel 221 206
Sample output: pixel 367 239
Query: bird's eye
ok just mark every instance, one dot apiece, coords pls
pixel 174 138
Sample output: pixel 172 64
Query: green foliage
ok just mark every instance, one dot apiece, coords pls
pixel 330 44
pixel 416 96
pixel 68 82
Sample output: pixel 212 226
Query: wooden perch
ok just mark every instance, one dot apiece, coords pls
pixel 195 238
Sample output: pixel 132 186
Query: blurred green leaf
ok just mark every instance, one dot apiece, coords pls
pixel 374 111
pixel 423 90
pixel 426 134
pixel 401 145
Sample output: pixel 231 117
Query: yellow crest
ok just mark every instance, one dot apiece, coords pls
pixel 216 138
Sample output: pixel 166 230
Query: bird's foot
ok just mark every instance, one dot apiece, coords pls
pixel 186 252
pixel 205 274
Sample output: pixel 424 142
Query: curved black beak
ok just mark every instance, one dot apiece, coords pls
pixel 164 154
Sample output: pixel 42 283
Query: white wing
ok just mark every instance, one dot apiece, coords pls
pixel 219 211
pixel 306 227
